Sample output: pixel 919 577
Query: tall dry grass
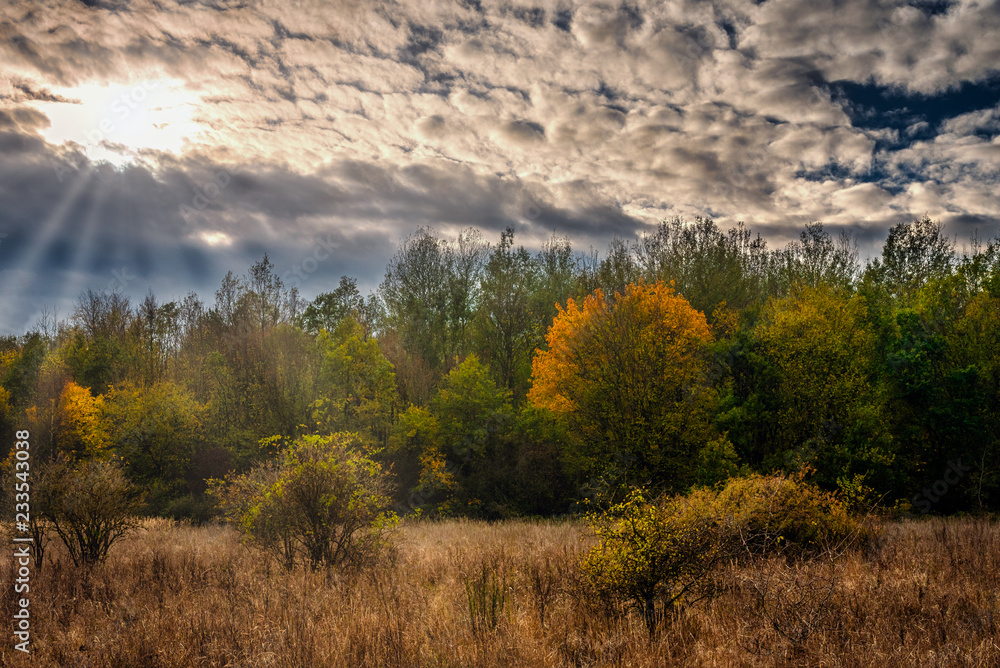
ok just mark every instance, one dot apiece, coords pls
pixel 182 596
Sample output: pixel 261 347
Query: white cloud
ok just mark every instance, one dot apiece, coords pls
pixel 387 115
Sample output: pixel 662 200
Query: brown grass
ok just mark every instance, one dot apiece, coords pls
pixel 182 596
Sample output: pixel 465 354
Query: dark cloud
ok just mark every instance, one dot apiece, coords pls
pixel 42 95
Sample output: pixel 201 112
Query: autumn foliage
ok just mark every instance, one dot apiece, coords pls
pixel 628 372
pixel 493 380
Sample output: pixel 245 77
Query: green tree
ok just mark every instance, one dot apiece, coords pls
pixel 359 382
pixel 473 416
pixel 330 308
pixel 505 325
pixel 818 398
pixel 156 431
pixel 913 253
pixel 816 259
pixel 707 266
pixel 430 292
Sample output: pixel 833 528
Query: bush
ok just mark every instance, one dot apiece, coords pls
pixel 786 514
pixel 662 550
pixel 323 503
pixel 666 550
pixel 91 505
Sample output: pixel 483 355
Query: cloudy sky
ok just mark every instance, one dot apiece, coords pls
pixel 159 144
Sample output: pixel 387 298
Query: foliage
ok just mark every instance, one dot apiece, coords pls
pixel 81 431
pixel 819 354
pixel 359 381
pixel 323 503
pixel 662 550
pixel 329 309
pixel 505 326
pixel 629 374
pixel 708 266
pixel 786 514
pixel 156 431
pixel 883 378
pixel 666 549
pixel 718 462
pixel 90 505
pixel 470 452
pixel 913 254
pixel 429 293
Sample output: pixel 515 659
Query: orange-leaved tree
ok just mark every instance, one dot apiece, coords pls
pixel 629 375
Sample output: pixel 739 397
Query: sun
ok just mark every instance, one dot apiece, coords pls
pixel 115 122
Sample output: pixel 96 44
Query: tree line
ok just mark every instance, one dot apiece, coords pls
pixel 492 381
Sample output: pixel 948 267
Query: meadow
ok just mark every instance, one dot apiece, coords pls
pixel 467 593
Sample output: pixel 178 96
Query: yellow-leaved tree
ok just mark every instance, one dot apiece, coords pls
pixel 82 432
pixel 628 373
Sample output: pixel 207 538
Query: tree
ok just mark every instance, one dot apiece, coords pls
pixel 430 291
pixel 156 430
pixel 629 375
pixel 505 324
pixel 816 259
pixel 360 384
pixel 707 266
pixel 652 551
pixel 613 273
pixel 329 308
pixel 912 254
pixel 557 274
pixel 323 503
pixel 474 418
pixel 81 431
pixel 817 398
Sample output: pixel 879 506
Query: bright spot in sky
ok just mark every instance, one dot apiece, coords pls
pixel 113 122
pixel 216 238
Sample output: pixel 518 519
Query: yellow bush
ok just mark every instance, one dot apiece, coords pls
pixel 786 513
pixel 665 550
pixel 660 550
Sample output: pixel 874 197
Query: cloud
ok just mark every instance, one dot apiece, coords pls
pixel 364 120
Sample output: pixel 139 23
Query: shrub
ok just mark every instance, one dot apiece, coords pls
pixel 787 514
pixel 665 550
pixel 662 550
pixel 322 503
pixel 91 505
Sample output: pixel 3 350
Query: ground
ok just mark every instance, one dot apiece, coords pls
pixel 176 595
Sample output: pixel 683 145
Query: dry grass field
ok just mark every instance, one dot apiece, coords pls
pixel 464 594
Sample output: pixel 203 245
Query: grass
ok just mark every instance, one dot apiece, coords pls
pixel 461 593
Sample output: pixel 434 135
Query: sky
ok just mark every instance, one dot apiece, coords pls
pixel 157 145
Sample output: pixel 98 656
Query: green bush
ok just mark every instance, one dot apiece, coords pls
pixel 323 503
